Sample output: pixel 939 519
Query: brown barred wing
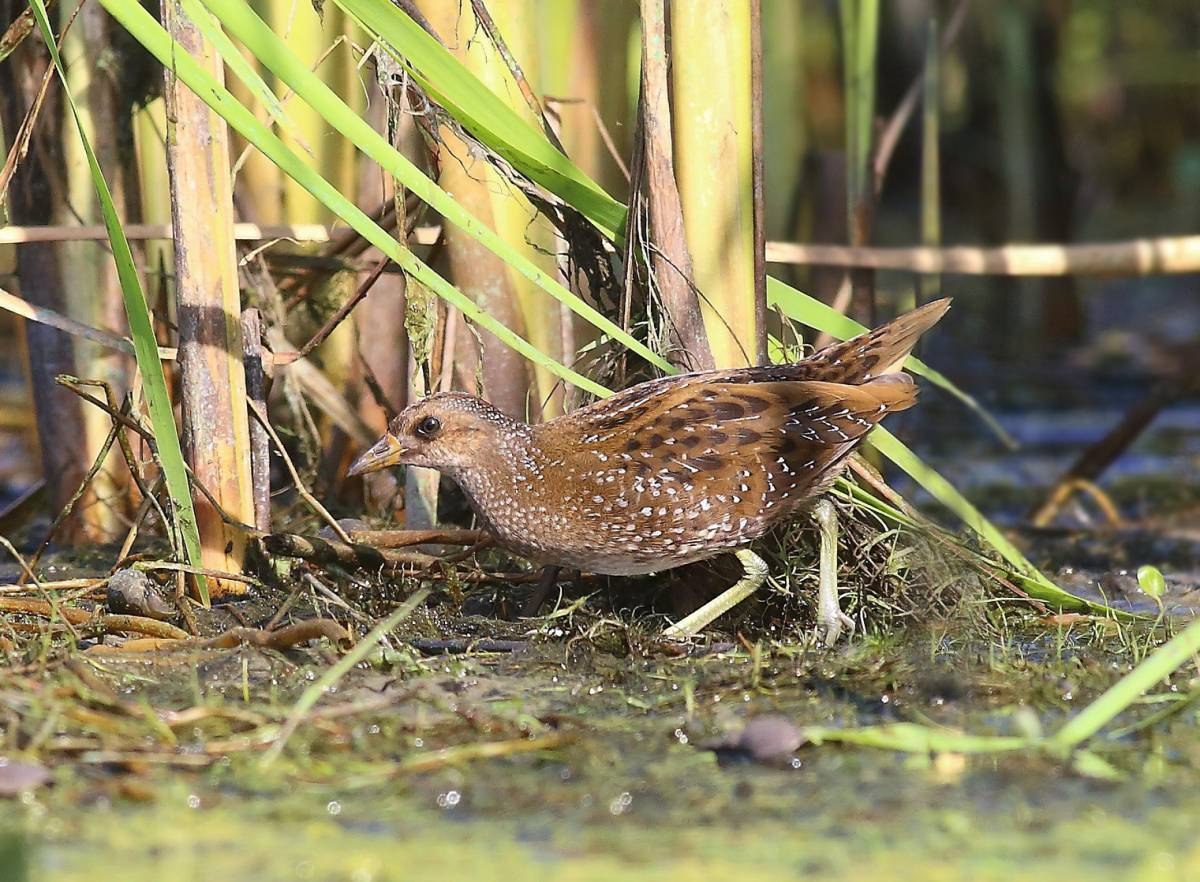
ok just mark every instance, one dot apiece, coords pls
pixel 709 465
pixel 824 422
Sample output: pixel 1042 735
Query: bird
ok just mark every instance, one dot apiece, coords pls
pixel 673 470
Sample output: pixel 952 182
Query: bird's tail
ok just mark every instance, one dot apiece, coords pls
pixel 880 351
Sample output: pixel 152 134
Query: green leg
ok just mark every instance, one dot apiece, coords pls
pixel 830 617
pixel 756 572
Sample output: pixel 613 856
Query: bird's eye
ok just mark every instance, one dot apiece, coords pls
pixel 429 427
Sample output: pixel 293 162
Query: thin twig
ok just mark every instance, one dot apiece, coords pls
pixel 870 476
pixel 90 584
pixel 90 620
pixel 66 510
pixel 312 501
pixel 57 610
pixel 489 27
pixel 22 137
pixel 1097 457
pixel 281 638
pixel 333 597
pixel 174 567
pixel 183 603
pixel 345 309
pixel 463 753
pixel 406 538
pixel 22 26
pixel 46 316
pixel 244 232
pixel 147 503
pixel 16 512
pixel 890 136
pixel 347 554
pixel 129 421
pixel 551 103
pixel 292 597
pixel 131 461
pixel 139 625
pixel 410 9
pixel 256 391
pixel 459 645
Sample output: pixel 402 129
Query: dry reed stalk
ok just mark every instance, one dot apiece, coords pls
pixel 213 379
pixel 1163 255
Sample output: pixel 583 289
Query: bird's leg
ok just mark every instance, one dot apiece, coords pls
pixel 755 572
pixel 533 605
pixel 830 617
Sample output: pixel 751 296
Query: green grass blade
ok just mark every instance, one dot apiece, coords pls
pixel 1031 579
pixel 945 492
pixel 315 691
pixel 448 82
pixel 1157 667
pixel 141 329
pixel 916 738
pixel 1034 585
pixel 274 53
pixel 142 26
pixel 809 311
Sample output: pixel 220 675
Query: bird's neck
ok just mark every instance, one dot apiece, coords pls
pixel 510 463
pixel 506 483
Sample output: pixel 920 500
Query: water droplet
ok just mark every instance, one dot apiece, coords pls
pixel 621 804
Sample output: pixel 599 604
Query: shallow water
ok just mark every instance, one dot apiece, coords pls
pixel 633 789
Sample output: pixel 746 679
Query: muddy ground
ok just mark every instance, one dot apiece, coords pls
pixel 589 749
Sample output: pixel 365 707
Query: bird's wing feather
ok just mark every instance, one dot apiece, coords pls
pixel 736 457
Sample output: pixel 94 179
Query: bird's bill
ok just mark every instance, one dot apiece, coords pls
pixel 385 452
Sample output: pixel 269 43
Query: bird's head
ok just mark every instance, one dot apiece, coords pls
pixel 448 431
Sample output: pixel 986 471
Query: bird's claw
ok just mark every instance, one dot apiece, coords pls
pixel 830 628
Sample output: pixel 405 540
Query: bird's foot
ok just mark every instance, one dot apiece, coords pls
pixel 830 618
pixel 831 625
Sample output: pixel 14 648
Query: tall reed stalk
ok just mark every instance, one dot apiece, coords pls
pixel 714 161
pixel 213 380
pixel 929 287
pixel 860 35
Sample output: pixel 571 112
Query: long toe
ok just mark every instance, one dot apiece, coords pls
pixel 833 627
